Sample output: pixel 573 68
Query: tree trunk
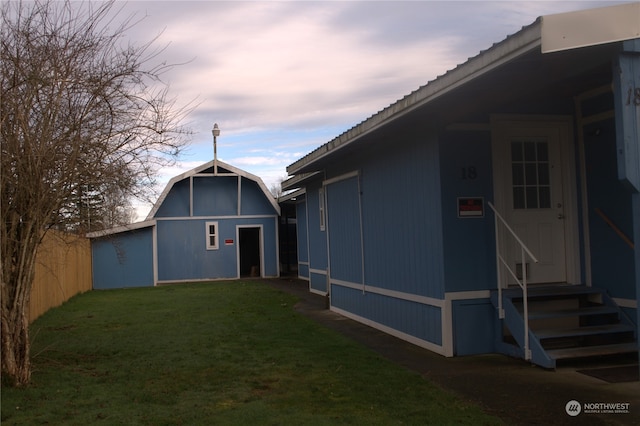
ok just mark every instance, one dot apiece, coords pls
pixel 17 273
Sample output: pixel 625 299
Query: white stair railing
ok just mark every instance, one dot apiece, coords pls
pixel 501 262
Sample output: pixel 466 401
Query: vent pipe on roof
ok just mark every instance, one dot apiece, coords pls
pixel 216 133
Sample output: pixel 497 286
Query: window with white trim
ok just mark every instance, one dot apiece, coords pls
pixel 321 207
pixel 212 235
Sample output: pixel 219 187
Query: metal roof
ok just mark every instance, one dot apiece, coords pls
pixel 527 40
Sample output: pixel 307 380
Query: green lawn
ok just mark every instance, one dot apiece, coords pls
pixel 232 353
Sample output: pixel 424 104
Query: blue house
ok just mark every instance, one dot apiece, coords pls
pixel 495 209
pixel 213 222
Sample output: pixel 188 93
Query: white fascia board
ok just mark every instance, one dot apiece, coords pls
pixel 123 228
pixel 564 31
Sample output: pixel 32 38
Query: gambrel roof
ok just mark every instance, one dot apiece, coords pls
pixel 223 169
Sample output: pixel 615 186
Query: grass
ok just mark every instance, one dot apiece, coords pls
pixel 217 353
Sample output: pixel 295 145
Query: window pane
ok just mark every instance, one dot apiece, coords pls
pixel 518 198
pixel 531 174
pixel 212 240
pixel 516 151
pixel 517 171
pixel 532 197
pixel 529 151
pixel 212 229
pixel 543 154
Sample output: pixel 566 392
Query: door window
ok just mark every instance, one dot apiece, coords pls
pixel 531 184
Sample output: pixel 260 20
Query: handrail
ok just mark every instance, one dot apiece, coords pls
pixel 615 229
pixel 500 262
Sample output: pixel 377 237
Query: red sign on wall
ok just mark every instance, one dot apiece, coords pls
pixel 228 242
pixel 470 207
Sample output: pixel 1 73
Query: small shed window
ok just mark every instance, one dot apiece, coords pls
pixel 321 207
pixel 212 235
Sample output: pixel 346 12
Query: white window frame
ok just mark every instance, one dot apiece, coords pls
pixel 208 235
pixel 321 208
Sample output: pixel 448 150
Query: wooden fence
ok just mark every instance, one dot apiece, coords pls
pixel 63 269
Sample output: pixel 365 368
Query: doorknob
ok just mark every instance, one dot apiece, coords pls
pixel 560 216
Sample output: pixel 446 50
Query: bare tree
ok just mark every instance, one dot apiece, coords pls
pixel 80 113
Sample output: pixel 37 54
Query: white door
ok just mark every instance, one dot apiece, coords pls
pixel 531 194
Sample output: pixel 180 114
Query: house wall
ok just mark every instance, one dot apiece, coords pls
pixel 123 260
pixel 318 263
pixel 183 255
pixel 385 238
pixel 303 241
pixel 469 242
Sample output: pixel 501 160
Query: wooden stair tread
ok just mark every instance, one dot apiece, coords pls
pixel 559 313
pixel 582 331
pixel 588 351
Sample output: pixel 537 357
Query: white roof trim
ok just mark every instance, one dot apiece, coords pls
pixel 123 228
pixel 195 171
pixel 591 27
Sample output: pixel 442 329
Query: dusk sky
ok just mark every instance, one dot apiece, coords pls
pixel 283 77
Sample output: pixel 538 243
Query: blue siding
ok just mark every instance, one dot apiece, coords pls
pixel 343 223
pixel 474 325
pixel 318 282
pixel 303 271
pixel 318 238
pixel 416 319
pixel 254 201
pixel 270 237
pixel 176 203
pixel 182 252
pixel 215 195
pixel 123 260
pixel 402 217
pixel 612 260
pixel 301 230
pixel 469 243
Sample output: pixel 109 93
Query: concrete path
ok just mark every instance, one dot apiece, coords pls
pixel 511 389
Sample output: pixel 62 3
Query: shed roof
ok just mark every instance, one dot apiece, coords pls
pixel 228 170
pixel 527 40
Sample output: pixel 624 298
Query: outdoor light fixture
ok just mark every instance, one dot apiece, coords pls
pixel 216 133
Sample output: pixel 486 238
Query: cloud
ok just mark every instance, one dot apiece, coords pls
pixel 283 77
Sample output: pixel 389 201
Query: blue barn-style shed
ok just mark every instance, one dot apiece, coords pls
pixel 495 209
pixel 213 222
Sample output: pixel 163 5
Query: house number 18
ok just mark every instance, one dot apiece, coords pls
pixel 633 96
pixel 469 172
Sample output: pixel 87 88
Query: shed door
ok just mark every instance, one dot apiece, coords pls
pixel 529 179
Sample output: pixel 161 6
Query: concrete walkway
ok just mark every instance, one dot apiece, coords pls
pixel 511 389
